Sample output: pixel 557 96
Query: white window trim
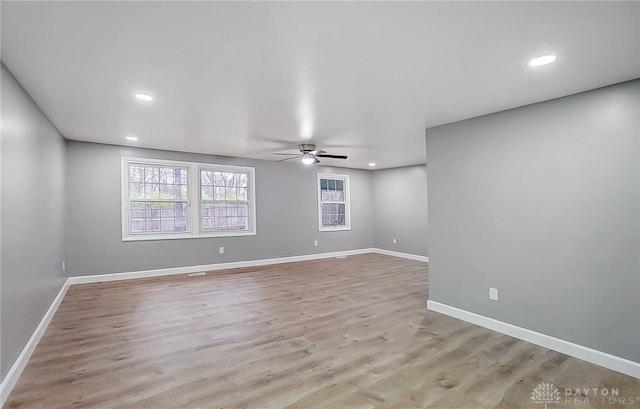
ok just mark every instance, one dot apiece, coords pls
pixel 193 175
pixel 251 195
pixel 347 189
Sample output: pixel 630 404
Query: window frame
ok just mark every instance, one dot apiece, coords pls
pixel 194 192
pixel 347 201
pixel 250 199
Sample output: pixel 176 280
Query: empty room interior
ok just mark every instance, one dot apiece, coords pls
pixel 402 205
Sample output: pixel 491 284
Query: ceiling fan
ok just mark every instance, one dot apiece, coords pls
pixel 309 154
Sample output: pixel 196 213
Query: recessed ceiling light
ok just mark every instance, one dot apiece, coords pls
pixel 144 97
pixel 542 60
pixel 132 138
pixel 372 164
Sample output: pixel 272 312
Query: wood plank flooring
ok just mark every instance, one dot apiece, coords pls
pixel 333 333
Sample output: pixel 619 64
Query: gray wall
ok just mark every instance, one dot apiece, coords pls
pixel 32 232
pixel 287 222
pixel 542 202
pixel 400 209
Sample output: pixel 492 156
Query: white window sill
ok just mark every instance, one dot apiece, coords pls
pixel 169 236
pixel 340 228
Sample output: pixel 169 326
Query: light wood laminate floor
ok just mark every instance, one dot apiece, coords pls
pixel 333 333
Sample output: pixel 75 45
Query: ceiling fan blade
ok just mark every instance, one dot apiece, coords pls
pixel 290 154
pixel 317 152
pixel 292 157
pixel 322 155
pixel 316 160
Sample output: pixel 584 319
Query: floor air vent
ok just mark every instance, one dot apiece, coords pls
pixel 199 274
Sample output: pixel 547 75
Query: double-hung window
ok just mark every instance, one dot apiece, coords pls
pixel 172 200
pixel 224 200
pixel 158 199
pixel 334 212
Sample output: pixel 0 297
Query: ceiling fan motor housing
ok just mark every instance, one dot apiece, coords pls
pixel 306 147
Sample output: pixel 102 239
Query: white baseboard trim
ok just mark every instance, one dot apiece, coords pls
pixel 211 267
pixel 21 362
pixel 98 278
pixel 403 255
pixel 609 361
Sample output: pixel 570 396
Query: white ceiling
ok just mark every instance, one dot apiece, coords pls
pixel 361 79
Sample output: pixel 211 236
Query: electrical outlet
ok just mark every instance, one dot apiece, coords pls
pixel 395 241
pixel 315 243
pixel 493 294
pixel 221 250
pixel 64 266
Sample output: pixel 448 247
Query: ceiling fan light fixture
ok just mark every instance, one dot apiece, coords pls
pixel 308 159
